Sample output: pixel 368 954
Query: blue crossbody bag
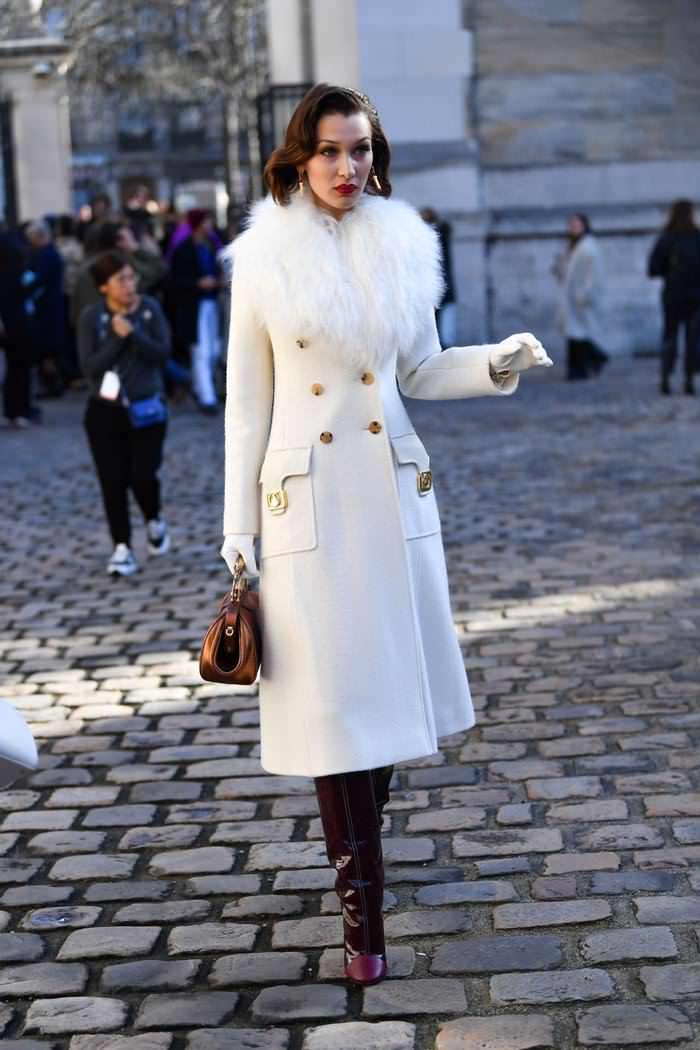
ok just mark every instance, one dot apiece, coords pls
pixel 147 411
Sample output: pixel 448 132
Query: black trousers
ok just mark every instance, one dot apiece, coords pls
pixel 16 391
pixel 583 357
pixel 677 316
pixel 125 459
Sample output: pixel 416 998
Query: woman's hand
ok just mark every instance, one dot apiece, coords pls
pixel 235 544
pixel 208 283
pixel 518 352
pixel 121 327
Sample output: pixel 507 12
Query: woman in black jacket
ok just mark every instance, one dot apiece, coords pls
pixel 123 343
pixel 676 258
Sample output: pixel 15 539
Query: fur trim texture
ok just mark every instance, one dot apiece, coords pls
pixel 365 284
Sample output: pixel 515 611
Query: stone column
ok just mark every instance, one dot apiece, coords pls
pixel 31 75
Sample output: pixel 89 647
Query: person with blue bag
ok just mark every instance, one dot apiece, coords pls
pixel 123 343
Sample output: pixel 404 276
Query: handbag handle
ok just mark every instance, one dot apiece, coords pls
pixel 240 584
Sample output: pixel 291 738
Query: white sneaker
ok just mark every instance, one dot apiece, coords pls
pixel 122 562
pixel 158 537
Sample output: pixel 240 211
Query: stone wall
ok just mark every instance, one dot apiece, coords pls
pixel 585 81
pixel 581 106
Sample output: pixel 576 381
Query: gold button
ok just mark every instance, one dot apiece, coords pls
pixel 326 437
pixel 302 344
pixel 367 378
pixel 375 427
pixel 317 389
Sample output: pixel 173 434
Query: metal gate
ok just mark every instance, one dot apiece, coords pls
pixel 8 186
pixel 275 107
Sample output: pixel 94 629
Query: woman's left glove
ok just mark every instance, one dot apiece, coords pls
pixel 518 352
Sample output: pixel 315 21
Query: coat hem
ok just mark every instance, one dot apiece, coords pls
pixel 385 760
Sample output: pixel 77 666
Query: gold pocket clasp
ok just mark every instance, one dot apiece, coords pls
pixel 424 480
pixel 276 501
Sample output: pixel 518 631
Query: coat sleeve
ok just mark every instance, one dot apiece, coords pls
pixel 658 260
pixel 94 354
pixel 426 371
pixel 152 342
pixel 248 412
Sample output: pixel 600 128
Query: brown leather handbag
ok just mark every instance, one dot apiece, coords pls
pixel 232 647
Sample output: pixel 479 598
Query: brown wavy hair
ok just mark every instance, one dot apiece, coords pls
pixel 281 171
pixel 680 218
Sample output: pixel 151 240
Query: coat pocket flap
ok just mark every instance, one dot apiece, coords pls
pixel 410 449
pixel 282 463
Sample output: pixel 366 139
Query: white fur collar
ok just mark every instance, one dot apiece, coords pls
pixel 365 284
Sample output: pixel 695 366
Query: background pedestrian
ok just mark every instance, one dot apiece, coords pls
pixel 44 280
pixel 195 280
pixel 123 343
pixel 580 270
pixel 447 309
pixel 14 333
pixel 676 258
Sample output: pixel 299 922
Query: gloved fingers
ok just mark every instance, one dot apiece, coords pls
pixel 251 566
pixel 531 352
pixel 230 555
pixel 540 356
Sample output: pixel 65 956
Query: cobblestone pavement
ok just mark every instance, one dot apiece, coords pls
pixel 158 890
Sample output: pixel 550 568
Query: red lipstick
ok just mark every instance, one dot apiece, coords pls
pixel 346 189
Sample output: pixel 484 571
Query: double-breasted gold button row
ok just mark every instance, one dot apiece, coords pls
pixel 375 427
pixel 317 388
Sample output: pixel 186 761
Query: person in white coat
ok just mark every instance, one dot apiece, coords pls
pixel 333 298
pixel 581 273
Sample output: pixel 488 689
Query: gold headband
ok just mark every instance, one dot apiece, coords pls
pixel 364 99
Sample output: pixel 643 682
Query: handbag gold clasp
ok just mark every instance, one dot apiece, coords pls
pixel 424 481
pixel 276 501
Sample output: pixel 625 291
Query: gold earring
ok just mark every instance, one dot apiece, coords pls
pixel 301 183
pixel 375 180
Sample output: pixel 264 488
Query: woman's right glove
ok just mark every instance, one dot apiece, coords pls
pixel 243 544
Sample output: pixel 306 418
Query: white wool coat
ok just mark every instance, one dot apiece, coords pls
pixel 583 292
pixel 361 665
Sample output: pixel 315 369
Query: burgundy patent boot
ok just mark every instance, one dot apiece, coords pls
pixel 351 820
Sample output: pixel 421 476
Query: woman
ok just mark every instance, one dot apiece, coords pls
pixel 194 277
pixel 581 271
pixel 335 286
pixel 44 277
pixel 123 343
pixel 676 258
pixel 71 251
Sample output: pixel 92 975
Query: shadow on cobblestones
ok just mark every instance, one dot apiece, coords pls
pixel 158 890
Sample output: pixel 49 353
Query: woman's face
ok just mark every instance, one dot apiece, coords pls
pixel 576 227
pixel 340 166
pixel 120 289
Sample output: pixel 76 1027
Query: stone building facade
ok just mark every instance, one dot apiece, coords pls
pixel 34 126
pixel 506 116
pixel 119 146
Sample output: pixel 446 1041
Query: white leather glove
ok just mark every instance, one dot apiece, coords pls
pixel 240 543
pixel 518 352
